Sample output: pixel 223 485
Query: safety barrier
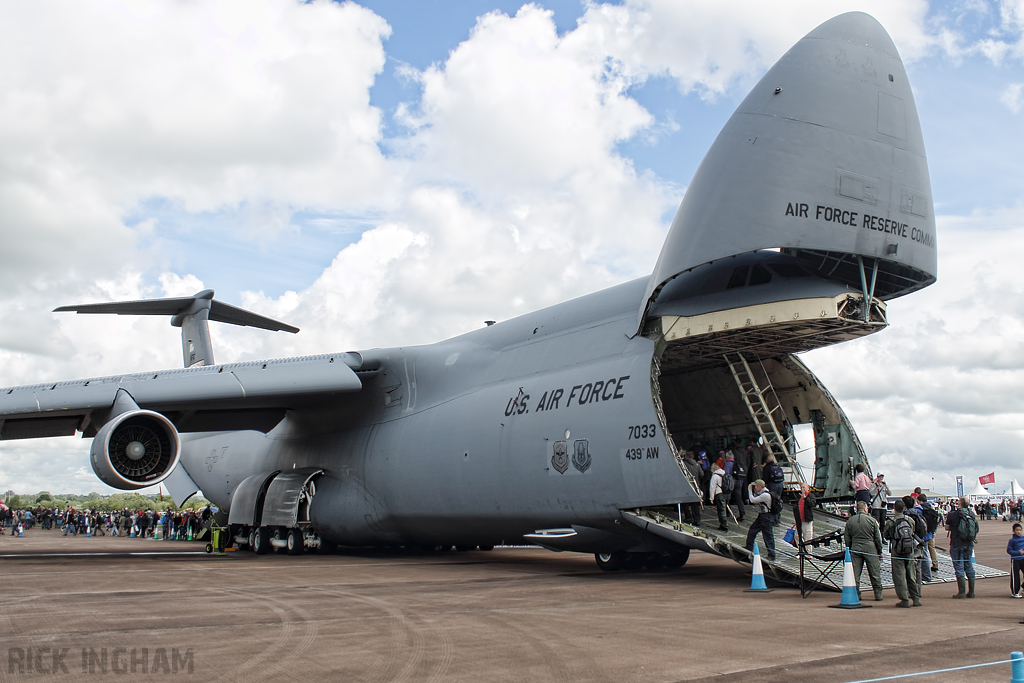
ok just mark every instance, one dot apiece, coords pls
pixel 1016 662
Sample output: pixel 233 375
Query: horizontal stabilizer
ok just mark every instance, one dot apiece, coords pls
pixel 226 313
pixel 191 315
pixel 219 311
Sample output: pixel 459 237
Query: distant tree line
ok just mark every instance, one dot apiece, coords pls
pixel 95 501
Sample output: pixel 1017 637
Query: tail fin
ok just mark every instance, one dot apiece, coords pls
pixel 191 315
pixel 825 161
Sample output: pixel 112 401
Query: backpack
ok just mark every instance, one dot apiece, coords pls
pixel 920 526
pixel 775 474
pixel 728 483
pixel 902 537
pixel 967 527
pixel 776 507
pixel 931 519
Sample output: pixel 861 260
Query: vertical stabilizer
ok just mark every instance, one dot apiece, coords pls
pixel 196 347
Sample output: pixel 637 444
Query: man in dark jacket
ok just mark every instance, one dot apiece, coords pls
pixel 739 478
pixel 775 480
pixel 693 468
pixel 761 497
pixel 915 513
pixel 961 549
pixel 742 458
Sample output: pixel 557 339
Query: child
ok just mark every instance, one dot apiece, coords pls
pixel 1015 549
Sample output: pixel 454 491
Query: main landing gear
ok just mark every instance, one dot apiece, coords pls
pixel 614 561
pixel 294 541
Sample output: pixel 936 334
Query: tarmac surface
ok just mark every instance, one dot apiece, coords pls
pixel 512 614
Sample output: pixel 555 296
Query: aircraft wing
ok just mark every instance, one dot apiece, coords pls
pixel 249 395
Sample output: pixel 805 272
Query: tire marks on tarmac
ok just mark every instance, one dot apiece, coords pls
pixel 414 650
pixel 296 633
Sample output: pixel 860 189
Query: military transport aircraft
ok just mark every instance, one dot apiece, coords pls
pixel 563 427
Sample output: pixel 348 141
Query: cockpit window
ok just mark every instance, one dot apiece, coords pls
pixel 759 276
pixel 739 277
pixel 789 270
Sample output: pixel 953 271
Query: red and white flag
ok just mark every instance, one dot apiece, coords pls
pixel 988 478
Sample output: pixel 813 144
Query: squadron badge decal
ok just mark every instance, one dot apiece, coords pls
pixel 581 455
pixel 560 459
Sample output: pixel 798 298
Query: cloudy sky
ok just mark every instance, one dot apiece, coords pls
pixel 397 172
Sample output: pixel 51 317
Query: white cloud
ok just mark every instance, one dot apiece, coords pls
pixel 938 393
pixel 1013 97
pixel 710 47
pixel 516 195
pixel 261 105
pixel 996 32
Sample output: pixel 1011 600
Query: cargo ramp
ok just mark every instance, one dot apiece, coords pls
pixel 664 522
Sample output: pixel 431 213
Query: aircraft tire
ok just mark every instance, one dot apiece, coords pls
pixel 611 562
pixel 261 541
pixel 654 561
pixel 678 558
pixel 326 548
pixel 635 561
pixel 294 542
pixel 252 540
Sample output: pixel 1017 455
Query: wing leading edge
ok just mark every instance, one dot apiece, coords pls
pixel 249 395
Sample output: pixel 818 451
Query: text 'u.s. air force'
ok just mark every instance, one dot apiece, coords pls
pixel 586 394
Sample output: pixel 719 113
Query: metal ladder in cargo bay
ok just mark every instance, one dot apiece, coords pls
pixel 764 406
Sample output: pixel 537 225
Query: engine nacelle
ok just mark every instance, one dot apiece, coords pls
pixel 136 449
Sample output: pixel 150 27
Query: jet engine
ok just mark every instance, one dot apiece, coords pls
pixel 135 449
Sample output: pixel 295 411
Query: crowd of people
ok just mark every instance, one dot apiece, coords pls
pixel 910 533
pixel 910 530
pixel 741 477
pixel 168 524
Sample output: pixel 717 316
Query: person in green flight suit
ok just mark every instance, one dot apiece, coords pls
pixel 864 540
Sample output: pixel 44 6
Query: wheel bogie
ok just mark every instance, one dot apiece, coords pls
pixel 616 560
pixel 677 558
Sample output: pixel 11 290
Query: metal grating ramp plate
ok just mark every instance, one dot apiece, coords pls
pixel 786 566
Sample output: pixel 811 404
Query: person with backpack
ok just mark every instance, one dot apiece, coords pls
pixel 767 503
pixel 932 519
pixel 962 525
pixel 719 495
pixel 914 513
pixel 734 470
pixel 775 479
pixel 899 531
